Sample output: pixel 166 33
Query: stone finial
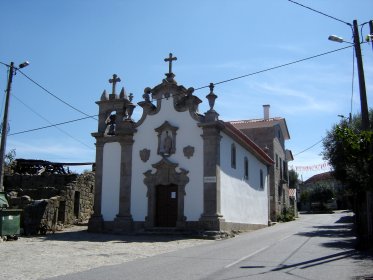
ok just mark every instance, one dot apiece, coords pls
pixel 148 90
pixel 123 94
pixel 104 96
pixel 130 107
pixel 211 97
pixel 190 91
pixel 146 94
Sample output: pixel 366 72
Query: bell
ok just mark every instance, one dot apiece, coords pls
pixel 111 129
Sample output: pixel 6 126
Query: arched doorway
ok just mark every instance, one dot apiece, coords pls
pixel 166 193
pixel 166 205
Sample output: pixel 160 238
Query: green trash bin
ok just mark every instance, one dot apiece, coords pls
pixel 10 219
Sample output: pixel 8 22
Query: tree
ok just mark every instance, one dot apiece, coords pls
pixel 349 150
pixel 293 179
pixel 317 195
pixel 321 195
pixel 9 161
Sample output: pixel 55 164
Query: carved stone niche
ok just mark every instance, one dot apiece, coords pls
pixel 166 139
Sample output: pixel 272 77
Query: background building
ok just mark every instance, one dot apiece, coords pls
pixel 270 134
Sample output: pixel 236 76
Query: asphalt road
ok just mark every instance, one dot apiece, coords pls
pixel 313 247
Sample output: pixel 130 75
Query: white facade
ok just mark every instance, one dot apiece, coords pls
pixel 243 200
pixel 188 133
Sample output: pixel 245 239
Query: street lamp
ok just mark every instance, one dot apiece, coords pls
pixel 338 39
pixel 360 69
pixel 12 70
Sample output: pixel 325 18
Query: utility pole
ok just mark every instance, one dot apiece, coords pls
pixel 360 70
pixel 5 125
pixel 371 31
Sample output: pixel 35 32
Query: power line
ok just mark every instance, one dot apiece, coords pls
pixel 318 142
pixel 60 129
pixel 52 125
pixel 316 11
pixel 276 67
pixel 7 65
pixel 55 96
pixel 49 92
pixel 221 82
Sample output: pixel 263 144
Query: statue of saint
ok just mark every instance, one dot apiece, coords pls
pixel 167 144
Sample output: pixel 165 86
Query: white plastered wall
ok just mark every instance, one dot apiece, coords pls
pixel 188 134
pixel 110 181
pixel 242 200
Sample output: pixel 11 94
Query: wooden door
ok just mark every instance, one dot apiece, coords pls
pixel 166 205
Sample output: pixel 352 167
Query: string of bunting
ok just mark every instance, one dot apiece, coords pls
pixel 307 168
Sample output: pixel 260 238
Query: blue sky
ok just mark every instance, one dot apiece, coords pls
pixel 74 47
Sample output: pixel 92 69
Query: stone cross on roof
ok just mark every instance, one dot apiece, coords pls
pixel 169 60
pixel 114 81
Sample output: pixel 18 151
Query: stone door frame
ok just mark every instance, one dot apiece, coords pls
pixel 165 174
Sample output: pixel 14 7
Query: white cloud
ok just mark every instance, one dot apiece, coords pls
pixel 293 101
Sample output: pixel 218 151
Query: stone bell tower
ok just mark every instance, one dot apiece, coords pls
pixel 114 125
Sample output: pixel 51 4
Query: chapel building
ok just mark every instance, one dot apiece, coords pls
pixel 175 167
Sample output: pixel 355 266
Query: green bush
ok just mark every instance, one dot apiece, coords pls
pixel 287 215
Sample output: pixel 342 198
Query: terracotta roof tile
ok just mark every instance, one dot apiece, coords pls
pixel 320 177
pixel 235 132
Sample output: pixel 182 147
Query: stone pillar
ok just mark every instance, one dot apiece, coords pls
pixel 150 218
pixel 96 221
pixel 181 219
pixel 124 222
pixel 211 216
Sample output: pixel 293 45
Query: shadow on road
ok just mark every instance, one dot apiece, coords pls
pixel 341 234
pixel 318 261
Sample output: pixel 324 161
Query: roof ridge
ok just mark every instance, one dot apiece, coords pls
pixel 257 149
pixel 258 120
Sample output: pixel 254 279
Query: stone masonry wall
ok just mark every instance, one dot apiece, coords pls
pixel 81 189
pixel 75 194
